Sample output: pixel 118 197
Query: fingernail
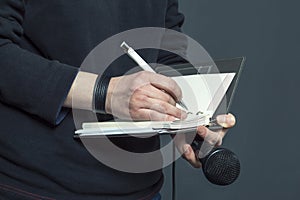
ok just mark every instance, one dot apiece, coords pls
pixel 222 119
pixel 231 119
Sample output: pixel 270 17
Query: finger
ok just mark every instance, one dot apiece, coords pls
pixel 157 105
pixel 167 108
pixel 211 138
pixel 222 134
pixel 147 114
pixel 155 93
pixel 190 156
pixel 226 121
pixel 202 131
pixel 179 140
pixel 167 84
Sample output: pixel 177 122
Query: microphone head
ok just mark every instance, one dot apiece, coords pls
pixel 221 166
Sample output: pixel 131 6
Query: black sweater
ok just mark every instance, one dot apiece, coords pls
pixel 42 44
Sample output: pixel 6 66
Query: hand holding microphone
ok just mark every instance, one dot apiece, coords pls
pixel 220 166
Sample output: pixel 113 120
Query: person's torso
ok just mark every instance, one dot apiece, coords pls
pixel 47 158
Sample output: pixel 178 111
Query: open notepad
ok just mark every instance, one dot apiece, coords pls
pixel 202 93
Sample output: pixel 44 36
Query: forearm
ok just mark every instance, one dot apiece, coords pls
pixel 81 93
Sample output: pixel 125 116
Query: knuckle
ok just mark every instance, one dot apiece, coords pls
pixel 175 88
pixel 133 99
pixel 170 100
pixel 139 100
pixel 138 81
pixel 142 98
pixel 172 86
pixel 164 107
pixel 138 91
pixel 134 86
pixel 164 97
pixel 178 112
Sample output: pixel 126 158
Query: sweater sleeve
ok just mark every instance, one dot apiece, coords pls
pixel 27 81
pixel 174 21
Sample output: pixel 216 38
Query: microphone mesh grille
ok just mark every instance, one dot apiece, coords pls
pixel 221 167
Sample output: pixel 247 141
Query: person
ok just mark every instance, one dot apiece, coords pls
pixel 42 44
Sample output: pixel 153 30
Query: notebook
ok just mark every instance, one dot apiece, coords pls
pixel 202 93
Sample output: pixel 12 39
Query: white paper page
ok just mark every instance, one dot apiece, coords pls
pixel 204 92
pixel 145 125
pixel 220 93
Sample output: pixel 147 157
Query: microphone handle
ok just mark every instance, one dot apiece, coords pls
pixel 196 145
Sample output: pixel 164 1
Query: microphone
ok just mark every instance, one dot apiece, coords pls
pixel 220 166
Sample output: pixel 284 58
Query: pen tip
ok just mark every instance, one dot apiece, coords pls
pixel 183 105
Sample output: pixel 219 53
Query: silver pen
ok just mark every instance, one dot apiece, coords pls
pixel 142 63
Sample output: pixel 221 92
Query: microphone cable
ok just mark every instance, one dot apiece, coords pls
pixel 173 173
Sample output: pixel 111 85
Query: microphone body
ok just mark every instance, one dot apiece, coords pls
pixel 220 166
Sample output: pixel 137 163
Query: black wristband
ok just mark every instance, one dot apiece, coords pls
pixel 100 92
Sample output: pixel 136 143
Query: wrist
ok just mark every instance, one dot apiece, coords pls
pixel 81 92
pixel 110 89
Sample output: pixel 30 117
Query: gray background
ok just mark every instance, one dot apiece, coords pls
pixel 266 137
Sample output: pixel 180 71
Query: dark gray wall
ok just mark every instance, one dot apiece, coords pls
pixel 266 137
